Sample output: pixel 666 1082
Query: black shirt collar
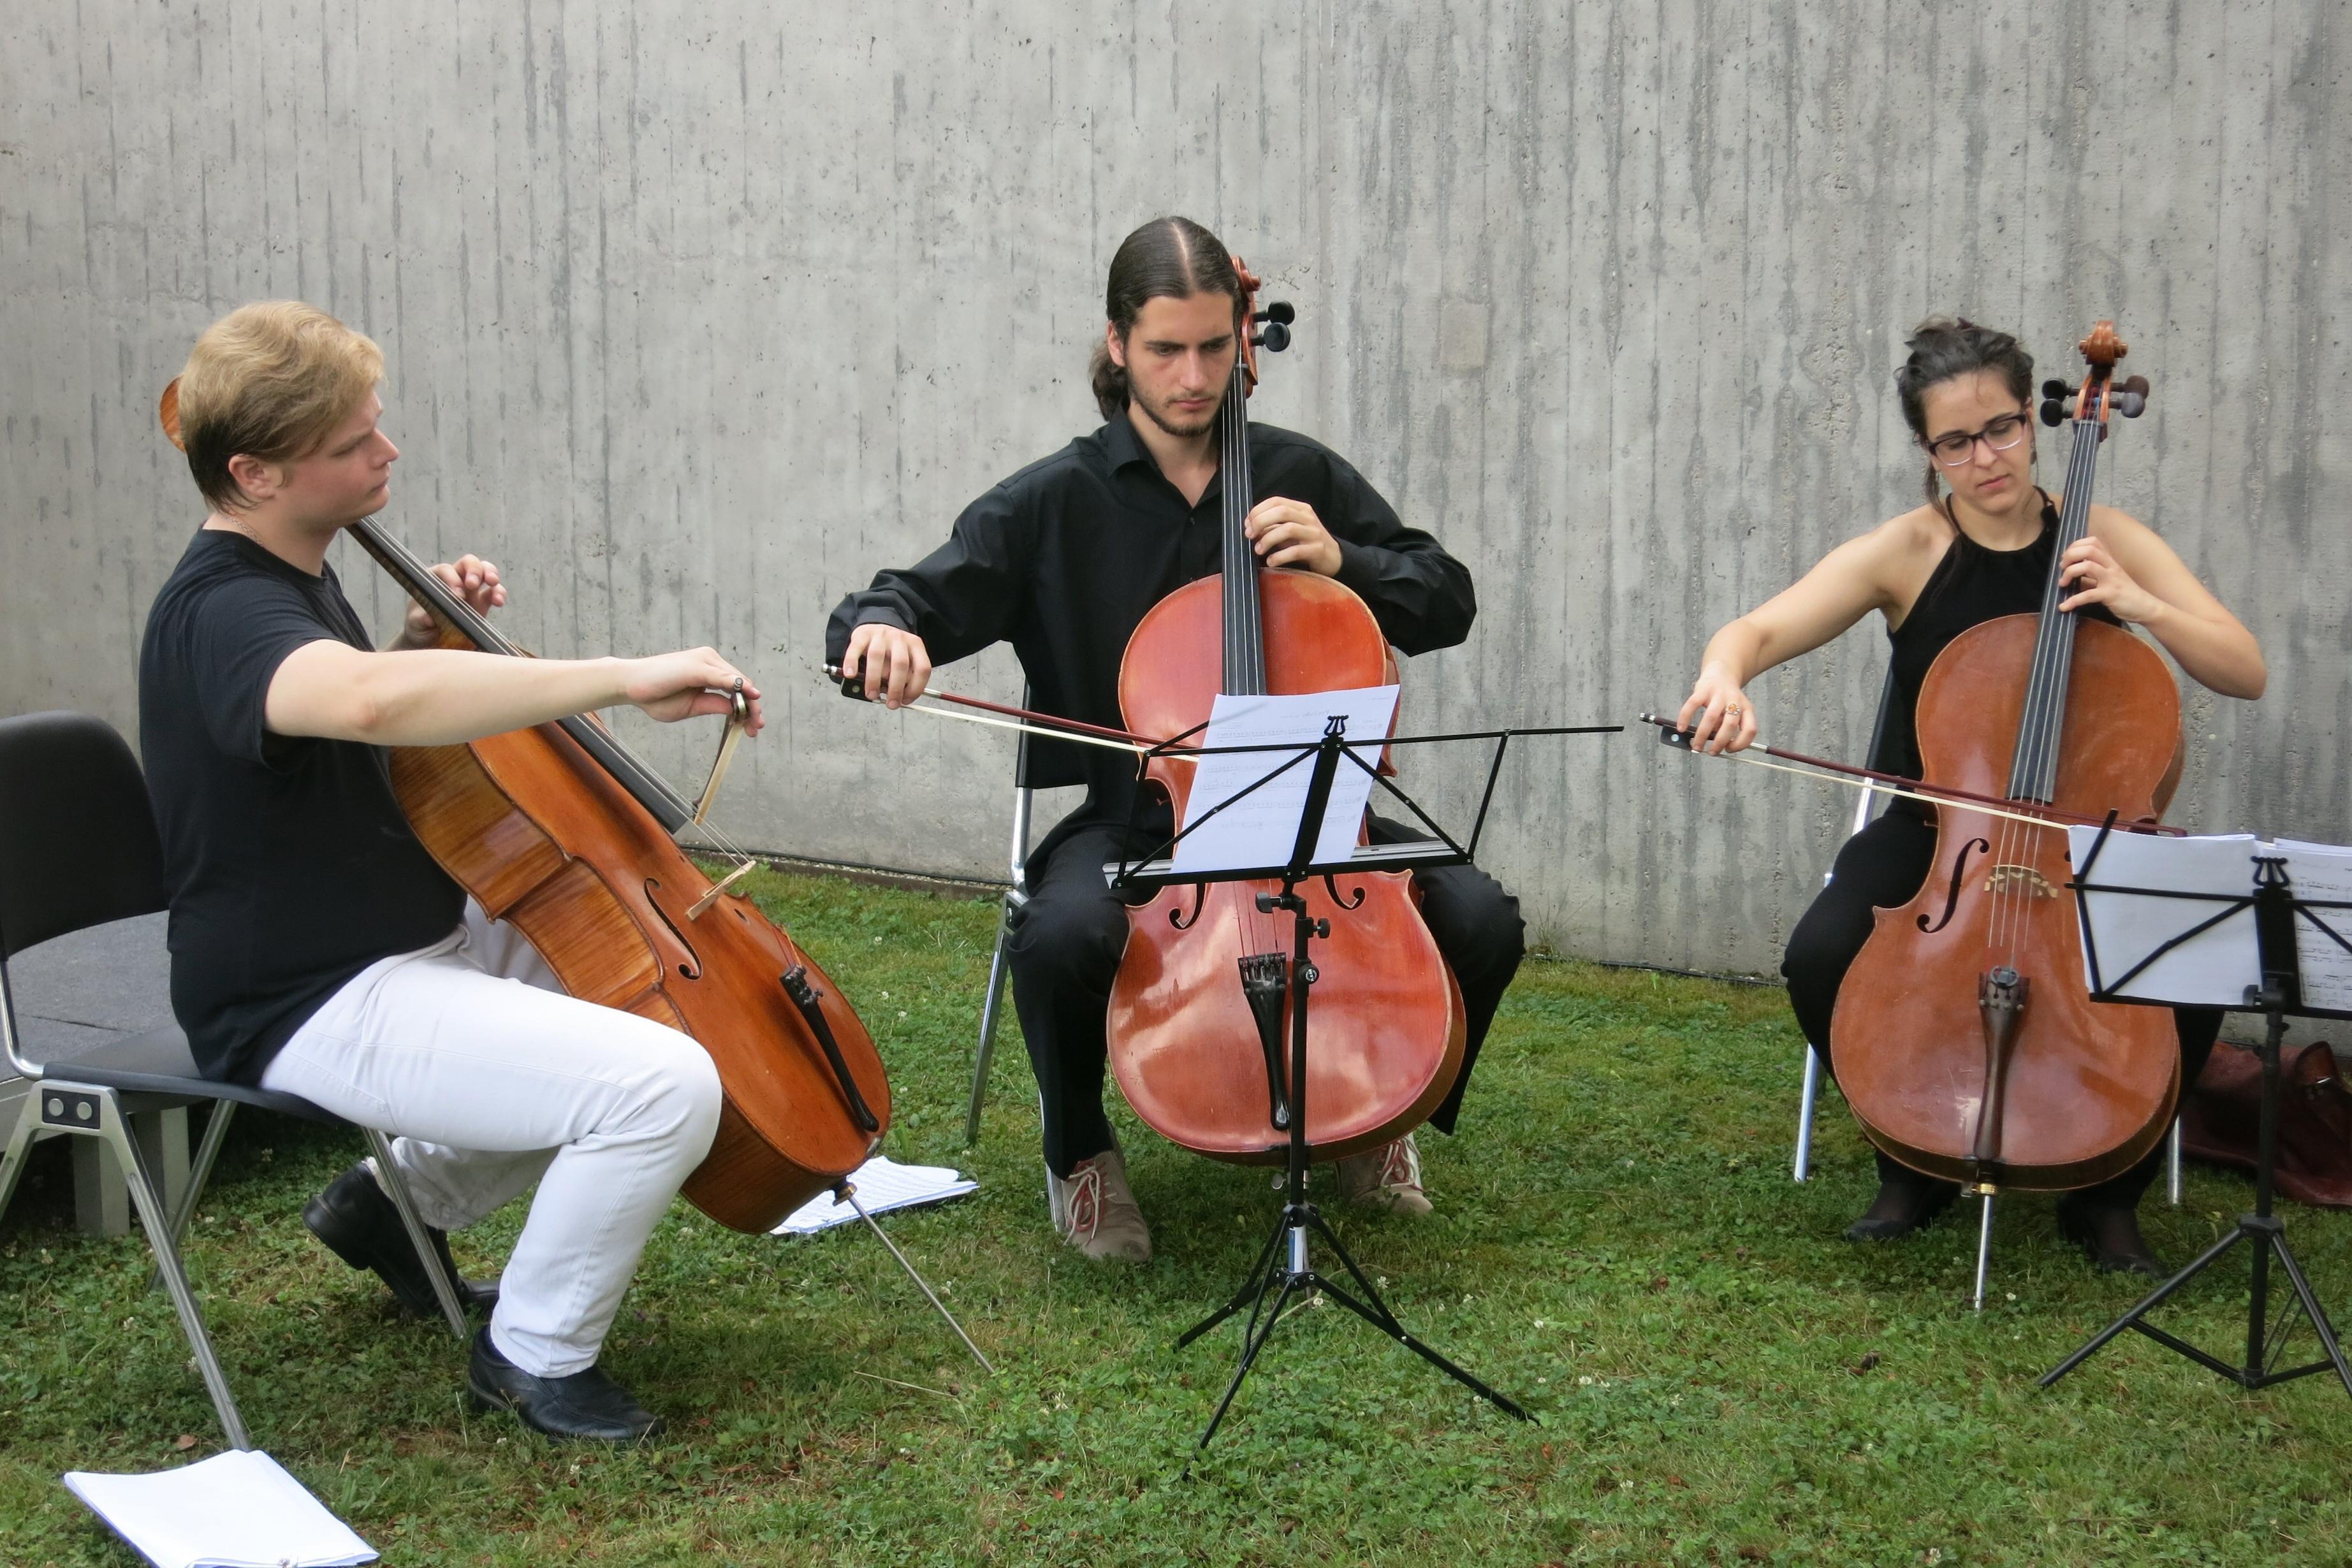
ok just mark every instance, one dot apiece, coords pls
pixel 1123 446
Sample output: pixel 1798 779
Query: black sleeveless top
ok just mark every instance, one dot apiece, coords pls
pixel 1969 587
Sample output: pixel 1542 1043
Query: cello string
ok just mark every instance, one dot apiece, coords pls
pixel 2040 745
pixel 2024 761
pixel 1245 624
pixel 2054 652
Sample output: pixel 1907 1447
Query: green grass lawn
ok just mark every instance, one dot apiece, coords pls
pixel 1717 1377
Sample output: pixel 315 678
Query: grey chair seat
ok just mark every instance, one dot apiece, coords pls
pixel 158 1061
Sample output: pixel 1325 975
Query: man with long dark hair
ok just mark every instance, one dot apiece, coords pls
pixel 1063 560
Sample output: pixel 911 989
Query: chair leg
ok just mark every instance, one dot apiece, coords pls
pixel 1053 1188
pixel 445 1289
pixel 2172 1165
pixel 20 1144
pixel 199 1172
pixel 991 1008
pixel 1806 1101
pixel 157 1225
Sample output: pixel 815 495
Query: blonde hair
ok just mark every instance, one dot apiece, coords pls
pixel 270 381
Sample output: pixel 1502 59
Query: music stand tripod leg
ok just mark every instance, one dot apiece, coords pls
pixel 1375 1310
pixel 2146 1305
pixel 2314 1311
pixel 1254 1285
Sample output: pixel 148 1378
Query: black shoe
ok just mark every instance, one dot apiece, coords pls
pixel 2110 1237
pixel 361 1223
pixel 584 1404
pixel 1906 1201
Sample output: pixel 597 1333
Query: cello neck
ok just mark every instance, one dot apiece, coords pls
pixel 669 808
pixel 2033 769
pixel 1245 625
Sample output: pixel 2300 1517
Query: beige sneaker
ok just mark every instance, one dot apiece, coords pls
pixel 1387 1177
pixel 1097 1213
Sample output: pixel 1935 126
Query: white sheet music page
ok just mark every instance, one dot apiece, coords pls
pixel 882 1185
pixel 2213 968
pixel 2322 872
pixel 1259 829
pixel 237 1509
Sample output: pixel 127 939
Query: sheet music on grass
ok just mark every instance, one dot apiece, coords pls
pixel 237 1509
pixel 1260 828
pixel 882 1185
pixel 2214 968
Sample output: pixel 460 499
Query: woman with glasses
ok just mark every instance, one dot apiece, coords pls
pixel 1978 548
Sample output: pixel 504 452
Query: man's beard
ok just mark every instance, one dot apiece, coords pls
pixel 1182 433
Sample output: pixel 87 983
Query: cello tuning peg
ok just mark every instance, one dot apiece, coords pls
pixel 1279 311
pixel 1274 337
pixel 2138 385
pixel 2054 389
pixel 2131 405
pixel 2053 410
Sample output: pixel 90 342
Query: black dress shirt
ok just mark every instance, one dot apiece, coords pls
pixel 1064 558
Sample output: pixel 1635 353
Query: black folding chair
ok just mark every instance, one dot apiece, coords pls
pixel 78 849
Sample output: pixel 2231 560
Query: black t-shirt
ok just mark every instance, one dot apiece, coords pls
pixel 289 863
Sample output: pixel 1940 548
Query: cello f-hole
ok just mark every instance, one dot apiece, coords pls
pixel 1183 919
pixel 1332 888
pixel 1952 894
pixel 692 968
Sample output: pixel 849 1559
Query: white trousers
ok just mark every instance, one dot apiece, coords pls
pixel 491 1079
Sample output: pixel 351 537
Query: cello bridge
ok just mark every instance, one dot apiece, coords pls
pixel 2022 877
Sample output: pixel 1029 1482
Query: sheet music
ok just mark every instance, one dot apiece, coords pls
pixel 2322 872
pixel 1260 828
pixel 2210 969
pixel 882 1186
pixel 232 1510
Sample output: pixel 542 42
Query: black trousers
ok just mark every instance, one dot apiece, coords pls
pixel 1065 947
pixel 1883 866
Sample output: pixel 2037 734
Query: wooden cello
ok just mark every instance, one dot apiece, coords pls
pixel 1965 1037
pixel 562 831
pixel 1201 1005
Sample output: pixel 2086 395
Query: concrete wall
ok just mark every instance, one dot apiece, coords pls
pixel 697 316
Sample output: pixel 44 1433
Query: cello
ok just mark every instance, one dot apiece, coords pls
pixel 1966 1039
pixel 560 830
pixel 1200 1009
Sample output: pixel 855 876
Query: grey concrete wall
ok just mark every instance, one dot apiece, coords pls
pixel 697 315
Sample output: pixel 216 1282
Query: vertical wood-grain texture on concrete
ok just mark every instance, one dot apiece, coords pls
pixel 695 316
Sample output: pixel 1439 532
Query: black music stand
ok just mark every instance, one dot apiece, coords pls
pixel 2279 994
pixel 1283 1271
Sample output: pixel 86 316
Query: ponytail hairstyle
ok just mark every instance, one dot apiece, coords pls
pixel 1942 347
pixel 1167 259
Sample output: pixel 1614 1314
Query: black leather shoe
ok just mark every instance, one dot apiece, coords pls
pixel 2110 1237
pixel 587 1405
pixel 1905 1202
pixel 359 1223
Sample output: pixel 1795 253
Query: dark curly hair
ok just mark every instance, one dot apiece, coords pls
pixel 1167 259
pixel 1942 347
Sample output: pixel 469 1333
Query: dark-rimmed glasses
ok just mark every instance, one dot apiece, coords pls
pixel 1957 448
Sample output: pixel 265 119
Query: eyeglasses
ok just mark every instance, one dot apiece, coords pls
pixel 1957 448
